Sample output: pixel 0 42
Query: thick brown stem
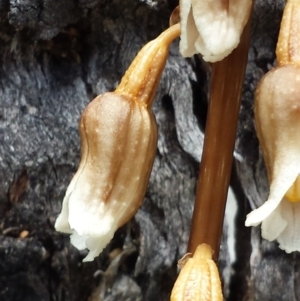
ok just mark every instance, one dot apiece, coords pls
pixel 215 170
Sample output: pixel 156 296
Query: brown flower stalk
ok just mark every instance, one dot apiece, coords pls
pixel 224 103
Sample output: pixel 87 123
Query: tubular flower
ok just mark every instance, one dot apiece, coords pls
pixel 118 145
pixel 199 278
pixel 212 27
pixel 277 118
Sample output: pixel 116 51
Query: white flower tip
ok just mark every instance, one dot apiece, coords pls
pixel 212 58
pixel 289 242
pixel 185 50
pixel 273 226
pixel 62 223
pixel 210 28
pixel 87 232
pixel 258 215
pixel 254 218
pixel 289 239
pixel 288 249
pixel 78 241
pixel 95 244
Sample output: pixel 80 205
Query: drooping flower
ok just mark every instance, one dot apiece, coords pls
pixel 118 145
pixel 212 27
pixel 277 116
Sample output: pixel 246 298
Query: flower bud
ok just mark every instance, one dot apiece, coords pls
pixel 118 145
pixel 199 278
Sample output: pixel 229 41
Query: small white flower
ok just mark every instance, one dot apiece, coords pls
pixel 212 27
pixel 277 117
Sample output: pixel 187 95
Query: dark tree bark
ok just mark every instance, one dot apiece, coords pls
pixel 56 56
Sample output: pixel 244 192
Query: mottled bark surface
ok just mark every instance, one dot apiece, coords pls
pixel 55 57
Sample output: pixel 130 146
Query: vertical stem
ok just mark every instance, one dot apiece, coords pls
pixel 216 163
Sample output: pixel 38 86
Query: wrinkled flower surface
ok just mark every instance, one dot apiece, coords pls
pixel 199 278
pixel 277 116
pixel 212 27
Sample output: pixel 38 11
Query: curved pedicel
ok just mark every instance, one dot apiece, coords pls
pixel 118 145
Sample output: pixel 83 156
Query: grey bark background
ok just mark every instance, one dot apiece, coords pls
pixel 55 57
